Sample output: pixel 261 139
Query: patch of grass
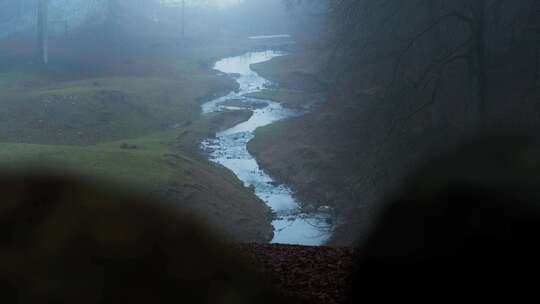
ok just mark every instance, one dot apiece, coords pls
pixel 295 71
pixel 265 135
pixel 19 79
pixel 104 109
pixel 146 165
pixel 131 116
pixel 153 166
pixel 298 78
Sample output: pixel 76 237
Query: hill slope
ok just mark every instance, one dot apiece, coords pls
pixel 129 113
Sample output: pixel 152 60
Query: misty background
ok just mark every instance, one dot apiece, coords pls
pixel 100 86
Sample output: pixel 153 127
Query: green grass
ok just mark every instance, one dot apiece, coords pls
pixel 138 125
pixel 97 110
pixel 266 134
pixel 81 125
pixel 18 79
pixel 302 71
pixel 298 78
pixel 152 166
pixel 145 165
pixel 110 127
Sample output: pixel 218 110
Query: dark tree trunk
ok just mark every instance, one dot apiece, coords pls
pixel 536 26
pixel 183 19
pixel 479 27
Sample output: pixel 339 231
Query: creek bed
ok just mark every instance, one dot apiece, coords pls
pixel 229 148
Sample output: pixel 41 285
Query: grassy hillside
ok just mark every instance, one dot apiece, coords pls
pixel 338 155
pixel 299 70
pixel 153 166
pixel 101 109
pixel 128 112
pixel 298 78
pixel 321 156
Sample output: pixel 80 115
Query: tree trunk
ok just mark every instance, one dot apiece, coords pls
pixel 183 19
pixel 43 32
pixel 112 13
pixel 437 44
pixel 536 27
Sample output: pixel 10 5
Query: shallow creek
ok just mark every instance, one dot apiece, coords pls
pixel 229 148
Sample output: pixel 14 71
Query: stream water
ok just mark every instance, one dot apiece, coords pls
pixel 229 148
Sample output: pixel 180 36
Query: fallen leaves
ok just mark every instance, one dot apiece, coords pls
pixel 319 275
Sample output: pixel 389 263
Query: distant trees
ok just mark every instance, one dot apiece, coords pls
pixel 119 9
pixel 415 77
pixel 179 6
pixel 254 17
pixel 420 47
pixel 308 19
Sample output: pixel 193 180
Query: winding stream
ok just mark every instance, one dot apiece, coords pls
pixel 229 148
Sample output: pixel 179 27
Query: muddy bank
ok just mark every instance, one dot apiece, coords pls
pixel 318 154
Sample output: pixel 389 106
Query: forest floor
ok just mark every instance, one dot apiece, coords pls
pixel 127 109
pixel 315 275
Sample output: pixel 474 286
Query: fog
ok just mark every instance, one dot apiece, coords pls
pixel 292 127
